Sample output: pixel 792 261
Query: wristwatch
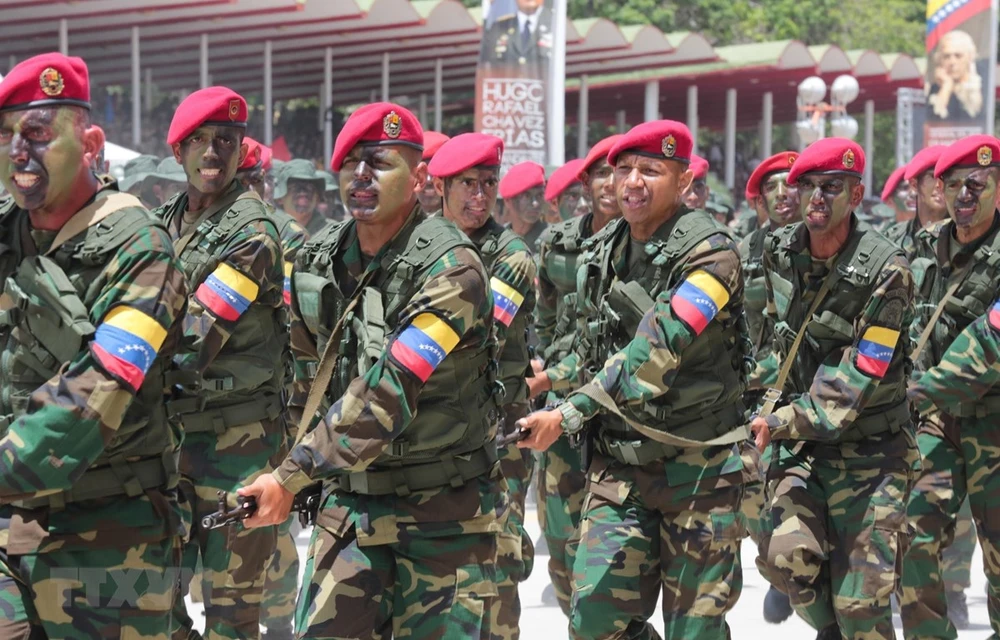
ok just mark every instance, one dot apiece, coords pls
pixel 572 419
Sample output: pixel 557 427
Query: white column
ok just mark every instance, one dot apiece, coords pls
pixel 692 114
pixel 583 118
pixel 373 96
pixel 321 110
pixel 203 62
pixel 327 104
pixel 423 110
pixel 869 146
pixel 620 123
pixel 767 125
pixel 11 62
pixel 64 36
pixel 148 86
pixel 438 93
pixel 731 138
pixel 651 110
pixel 556 111
pixel 268 95
pixel 385 77
pixel 136 90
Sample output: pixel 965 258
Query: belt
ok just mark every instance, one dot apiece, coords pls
pixel 451 470
pixel 890 420
pixel 985 407
pixel 640 452
pixel 197 419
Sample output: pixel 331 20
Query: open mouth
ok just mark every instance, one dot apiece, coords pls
pixel 26 181
pixel 210 174
pixel 634 201
pixel 364 197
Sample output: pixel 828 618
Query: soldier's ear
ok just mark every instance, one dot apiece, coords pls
pixel 684 181
pixel 93 144
pixel 419 176
pixel 176 147
pixel 857 194
pixel 244 150
pixel 438 186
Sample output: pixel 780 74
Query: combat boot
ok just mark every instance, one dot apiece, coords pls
pixel 958 610
pixel 831 632
pixel 777 608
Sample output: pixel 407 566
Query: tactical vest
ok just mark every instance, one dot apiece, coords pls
pixel 286 233
pixel 831 330
pixel 45 324
pixel 755 293
pixel 561 246
pixel 934 274
pixel 513 363
pixel 705 399
pixel 451 438
pixel 242 385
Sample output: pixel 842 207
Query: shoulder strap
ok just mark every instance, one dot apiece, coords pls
pixel 224 203
pixel 98 210
pixel 925 335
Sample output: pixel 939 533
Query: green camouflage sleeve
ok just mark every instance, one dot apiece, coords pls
pixel 647 366
pixel 765 373
pixel 546 307
pixel 452 308
pixel 293 238
pixel 846 380
pixel 565 374
pixel 512 282
pixel 305 356
pixel 73 416
pixel 249 272
pixel 969 369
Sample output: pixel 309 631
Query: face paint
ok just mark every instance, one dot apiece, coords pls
pixel 569 200
pixel 301 199
pixel 971 195
pixel 470 197
pixel 527 206
pixel 929 196
pixel 210 157
pixel 601 182
pixel 781 199
pixel 904 198
pixel 377 183
pixel 696 195
pixel 428 197
pixel 825 201
pixel 41 156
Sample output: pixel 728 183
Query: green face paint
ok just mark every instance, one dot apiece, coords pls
pixel 970 195
pixel 210 157
pixel 781 199
pixel 41 155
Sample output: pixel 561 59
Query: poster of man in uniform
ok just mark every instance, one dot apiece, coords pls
pixel 511 81
pixel 960 79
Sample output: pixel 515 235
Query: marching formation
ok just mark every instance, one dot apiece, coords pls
pixel 203 357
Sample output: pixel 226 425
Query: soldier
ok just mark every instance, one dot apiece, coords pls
pixel 166 182
pixel 897 194
pixel 957 275
pixel 840 297
pixel 135 173
pixel 251 172
pixel 521 38
pixel 413 496
pixel 561 476
pixel 928 196
pixel 297 191
pixel 466 176
pixel 663 502
pixel 91 305
pixel 523 192
pixel 235 332
pixel 777 203
pixel 429 199
pixel 697 194
pixel 564 191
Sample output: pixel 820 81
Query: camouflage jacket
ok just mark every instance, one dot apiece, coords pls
pixel 760 328
pixel 904 235
pixel 293 237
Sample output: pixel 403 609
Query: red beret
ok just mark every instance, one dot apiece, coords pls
pixel 599 151
pixel 924 161
pixel 466 151
pixel 890 185
pixel 379 123
pixel 521 177
pixel 699 167
pixel 775 164
pixel 829 155
pixel 432 142
pixel 214 105
pixel 563 178
pixel 971 151
pixel 49 79
pixel 265 157
pixel 255 154
pixel 663 139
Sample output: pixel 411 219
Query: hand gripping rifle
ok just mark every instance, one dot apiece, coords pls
pixel 306 504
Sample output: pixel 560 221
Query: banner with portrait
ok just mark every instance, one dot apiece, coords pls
pixel 961 69
pixel 512 79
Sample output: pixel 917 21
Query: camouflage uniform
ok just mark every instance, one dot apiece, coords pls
pixel 561 477
pixel 904 234
pixel 657 515
pixel 81 328
pixel 301 170
pixel 512 270
pixel 413 497
pixel 232 413
pixel 834 529
pixel 954 445
pixel 534 233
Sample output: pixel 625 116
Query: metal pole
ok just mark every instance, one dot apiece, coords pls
pixel 438 93
pixel 64 36
pixel 148 86
pixel 583 118
pixel 423 110
pixel 136 91
pixel 327 104
pixel 203 63
pixel 991 74
pixel 869 145
pixel 556 124
pixel 385 77
pixel 620 121
pixel 692 115
pixel 651 110
pixel 268 95
pixel 321 110
pixel 11 62
pixel 767 125
pixel 731 138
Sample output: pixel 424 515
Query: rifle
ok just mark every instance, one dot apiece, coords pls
pixel 517 435
pixel 306 504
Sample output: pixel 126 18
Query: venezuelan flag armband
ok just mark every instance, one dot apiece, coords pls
pixel 698 300
pixel 226 293
pixel 423 345
pixel 995 316
pixel 875 350
pixel 126 344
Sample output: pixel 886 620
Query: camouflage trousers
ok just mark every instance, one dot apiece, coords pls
pixel 561 487
pixel 959 462
pixel 754 472
pixel 956 559
pixel 638 535
pixel 234 559
pixel 834 534
pixel 281 582
pixel 515 551
pixel 423 588
pixel 106 593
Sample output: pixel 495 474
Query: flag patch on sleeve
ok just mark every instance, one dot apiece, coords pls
pixel 995 315
pixel 506 301
pixel 875 350
pixel 286 292
pixel 126 343
pixel 227 293
pixel 698 300
pixel 422 346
